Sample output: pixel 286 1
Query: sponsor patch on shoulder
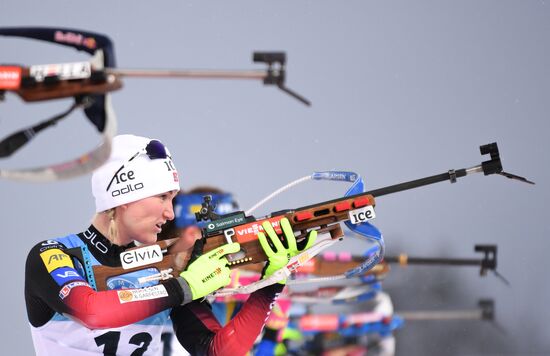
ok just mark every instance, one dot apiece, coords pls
pixel 65 274
pixel 55 258
pixel 135 295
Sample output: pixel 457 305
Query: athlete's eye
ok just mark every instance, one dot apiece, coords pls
pixel 164 196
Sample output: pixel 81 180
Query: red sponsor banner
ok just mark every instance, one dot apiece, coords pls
pixel 10 77
pixel 307 268
pixel 363 318
pixel 319 322
pixel 249 232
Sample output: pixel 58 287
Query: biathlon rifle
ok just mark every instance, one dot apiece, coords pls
pixel 94 100
pixel 65 80
pixel 324 217
pixel 364 322
pixel 342 332
pixel 89 83
pixel 331 263
pixel 367 285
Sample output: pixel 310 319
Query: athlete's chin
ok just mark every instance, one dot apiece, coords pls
pixel 149 239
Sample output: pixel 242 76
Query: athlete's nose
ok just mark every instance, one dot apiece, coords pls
pixel 169 211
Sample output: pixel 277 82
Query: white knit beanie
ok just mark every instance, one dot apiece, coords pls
pixel 140 178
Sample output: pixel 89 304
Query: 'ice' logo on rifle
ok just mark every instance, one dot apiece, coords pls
pixel 358 216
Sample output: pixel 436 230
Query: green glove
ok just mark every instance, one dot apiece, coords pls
pixel 282 248
pixel 209 272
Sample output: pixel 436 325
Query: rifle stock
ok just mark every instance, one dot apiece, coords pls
pixel 324 217
pixel 52 87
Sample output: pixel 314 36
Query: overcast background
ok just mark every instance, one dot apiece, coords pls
pixel 400 90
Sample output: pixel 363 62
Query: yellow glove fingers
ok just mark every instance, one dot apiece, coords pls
pixel 311 238
pixel 265 245
pixel 268 228
pixel 209 272
pixel 232 247
pixel 224 250
pixel 289 234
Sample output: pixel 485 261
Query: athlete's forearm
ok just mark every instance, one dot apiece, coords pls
pixel 109 309
pixel 238 336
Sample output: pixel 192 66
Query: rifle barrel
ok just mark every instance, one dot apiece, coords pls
pixel 451 175
pixel 191 73
pixel 406 260
pixel 441 315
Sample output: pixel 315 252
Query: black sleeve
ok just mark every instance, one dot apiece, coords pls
pixel 41 290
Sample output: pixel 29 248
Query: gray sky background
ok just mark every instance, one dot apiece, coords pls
pixel 400 90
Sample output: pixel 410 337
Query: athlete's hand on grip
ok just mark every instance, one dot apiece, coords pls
pixel 281 248
pixel 209 272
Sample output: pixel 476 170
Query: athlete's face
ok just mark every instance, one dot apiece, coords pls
pixel 142 220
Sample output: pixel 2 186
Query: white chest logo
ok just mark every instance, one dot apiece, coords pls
pixel 141 256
